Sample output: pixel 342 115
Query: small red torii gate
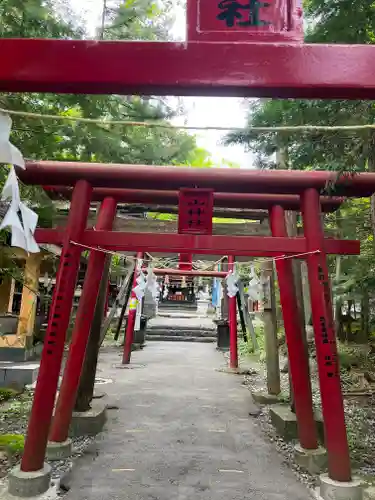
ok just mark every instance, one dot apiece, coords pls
pixel 260 55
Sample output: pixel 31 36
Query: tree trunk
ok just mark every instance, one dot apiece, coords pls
pixel 291 223
pixel 371 167
pixel 87 380
pixel 364 317
pixel 224 298
pixel 270 328
pixel 120 300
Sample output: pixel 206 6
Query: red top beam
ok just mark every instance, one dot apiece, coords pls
pixel 193 272
pixel 173 178
pixel 164 68
pixel 224 200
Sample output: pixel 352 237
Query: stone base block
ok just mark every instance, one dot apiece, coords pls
pixel 285 423
pixel 264 398
pixel 88 423
pixel 337 490
pixel 313 461
pixel 18 375
pixel 59 451
pixel 237 371
pixel 29 484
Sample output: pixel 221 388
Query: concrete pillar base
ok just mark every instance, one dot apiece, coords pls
pixel 59 451
pixel 88 423
pixel 263 398
pixel 285 423
pixel 29 484
pixel 313 461
pixel 335 490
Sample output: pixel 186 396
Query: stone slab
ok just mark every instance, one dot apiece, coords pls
pixel 18 375
pixel 285 423
pixel 20 354
pixel 312 461
pixel 88 423
pixel 29 484
pixel 59 451
pixel 263 398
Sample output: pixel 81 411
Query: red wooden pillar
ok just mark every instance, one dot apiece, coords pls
pixel 326 349
pixel 298 358
pixel 233 351
pixel 129 335
pixel 45 391
pixel 185 261
pixel 81 331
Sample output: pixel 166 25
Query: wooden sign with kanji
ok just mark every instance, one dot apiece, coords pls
pixel 195 210
pixel 244 20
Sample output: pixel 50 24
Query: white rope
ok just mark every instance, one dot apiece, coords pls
pixel 281 257
pixel 126 123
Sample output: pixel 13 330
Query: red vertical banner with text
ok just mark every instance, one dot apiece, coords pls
pixel 244 20
pixel 195 211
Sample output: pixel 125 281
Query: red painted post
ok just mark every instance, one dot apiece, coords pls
pixel 233 352
pixel 129 335
pixel 81 331
pixel 298 358
pixel 185 261
pixel 45 391
pixel 326 349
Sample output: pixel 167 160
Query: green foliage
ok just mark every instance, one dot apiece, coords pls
pixel 246 348
pixel 12 443
pixel 6 394
pixel 353 151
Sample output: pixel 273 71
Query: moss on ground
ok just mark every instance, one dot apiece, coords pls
pixel 12 443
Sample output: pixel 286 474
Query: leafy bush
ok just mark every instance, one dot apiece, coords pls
pixel 6 394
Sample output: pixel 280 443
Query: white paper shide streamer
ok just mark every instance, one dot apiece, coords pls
pixel 231 280
pixel 255 286
pixel 151 283
pixel 22 232
pixel 144 282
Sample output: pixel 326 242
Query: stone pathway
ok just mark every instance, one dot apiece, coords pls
pixel 182 431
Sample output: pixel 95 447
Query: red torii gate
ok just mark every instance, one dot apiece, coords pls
pixel 313 243
pixel 268 59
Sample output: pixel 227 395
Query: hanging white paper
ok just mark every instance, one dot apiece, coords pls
pixel 8 152
pixel 231 281
pixel 151 283
pixel 22 233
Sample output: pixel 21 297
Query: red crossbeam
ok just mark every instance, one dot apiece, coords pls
pixel 193 272
pixel 224 180
pixel 198 244
pixel 223 200
pixel 164 68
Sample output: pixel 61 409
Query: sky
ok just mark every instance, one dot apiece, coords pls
pixel 200 111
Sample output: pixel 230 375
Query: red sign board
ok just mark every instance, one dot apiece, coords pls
pixel 195 210
pixel 244 20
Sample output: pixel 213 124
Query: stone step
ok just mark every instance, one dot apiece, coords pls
pixel 180 333
pixel 175 338
pixel 191 327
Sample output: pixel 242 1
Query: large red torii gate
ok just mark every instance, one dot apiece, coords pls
pixel 267 59
pixel 313 244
